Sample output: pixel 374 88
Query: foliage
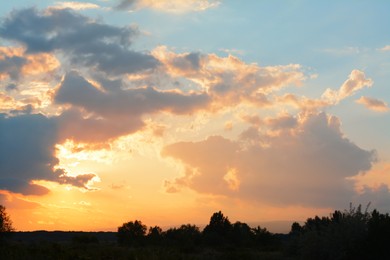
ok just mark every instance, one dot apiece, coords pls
pixel 352 234
pixel 5 221
pixel 154 235
pixel 84 239
pixel 132 233
pixel 348 234
pixel 218 231
pixel 186 237
pixel 5 225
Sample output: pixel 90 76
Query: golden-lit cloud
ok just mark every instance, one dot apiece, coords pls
pixel 373 104
pixel 6 102
pixel 221 76
pixel 15 62
pixel 313 155
pixel 374 179
pixel 40 63
pixel 303 103
pixel 356 81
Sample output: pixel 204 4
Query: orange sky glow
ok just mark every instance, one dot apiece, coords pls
pixel 106 117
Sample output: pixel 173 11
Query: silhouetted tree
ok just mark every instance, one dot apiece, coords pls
pixel 296 229
pixel 378 236
pixel 154 235
pixel 343 235
pixel 5 224
pixel 5 221
pixel 264 239
pixel 241 234
pixel 218 230
pixel 292 247
pixel 186 237
pixel 132 233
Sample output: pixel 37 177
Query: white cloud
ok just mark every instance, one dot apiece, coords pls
pixel 356 81
pixel 385 48
pixel 170 6
pixel 373 104
pixel 75 5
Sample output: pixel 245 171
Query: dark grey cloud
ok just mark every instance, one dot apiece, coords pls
pixel 125 4
pixel 115 112
pixel 11 87
pixel 12 66
pixel 27 153
pixel 86 41
pixel 188 62
pixel 77 181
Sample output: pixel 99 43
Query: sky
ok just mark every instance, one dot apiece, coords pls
pixel 168 111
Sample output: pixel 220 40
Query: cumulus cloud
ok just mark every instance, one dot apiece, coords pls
pixel 229 80
pixel 373 104
pixel 27 153
pixel 73 125
pixel 356 81
pixel 310 164
pixel 207 162
pixel 170 6
pixel 14 63
pixel 77 91
pixel 85 41
pixel 117 112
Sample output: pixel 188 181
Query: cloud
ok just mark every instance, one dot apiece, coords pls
pixel 118 112
pixel 75 5
pixel 14 63
pixel 11 62
pixel 385 48
pixel 6 102
pixel 81 180
pixel 343 51
pixel 356 81
pixel 86 42
pixel 27 153
pixel 75 126
pixel 10 201
pixel 206 163
pixel 77 91
pixel 303 103
pixel 229 80
pixel 307 165
pixel 373 104
pixel 170 6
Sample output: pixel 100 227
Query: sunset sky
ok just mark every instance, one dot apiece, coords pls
pixel 168 111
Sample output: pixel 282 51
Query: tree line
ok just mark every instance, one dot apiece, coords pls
pixel 220 232
pixel 348 234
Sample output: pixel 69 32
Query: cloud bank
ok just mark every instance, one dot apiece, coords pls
pixel 307 162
